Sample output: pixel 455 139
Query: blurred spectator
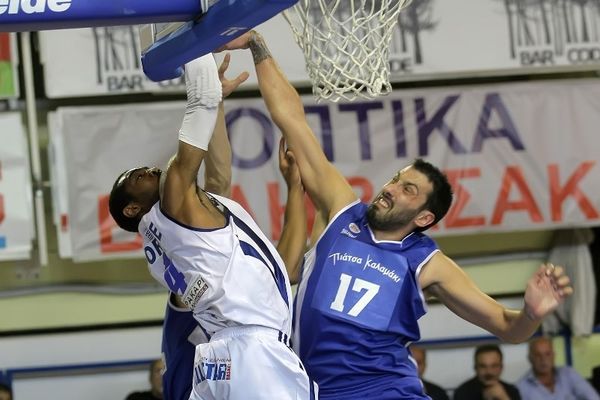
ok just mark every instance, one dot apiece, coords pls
pixel 546 382
pixel 595 380
pixel 431 389
pixel 156 391
pixel 5 392
pixel 486 385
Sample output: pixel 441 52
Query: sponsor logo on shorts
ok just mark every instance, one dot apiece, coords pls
pixel 193 295
pixel 212 370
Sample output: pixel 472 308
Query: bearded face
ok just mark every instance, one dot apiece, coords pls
pixel 389 219
pixel 400 201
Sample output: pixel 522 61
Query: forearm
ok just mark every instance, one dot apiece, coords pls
pixel 217 174
pixel 324 183
pixel 318 227
pixel 519 326
pixel 292 242
pixel 279 95
pixel 444 279
pixel 282 101
pixel 203 96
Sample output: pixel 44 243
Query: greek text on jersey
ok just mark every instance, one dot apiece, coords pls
pixel 345 257
pixel 385 271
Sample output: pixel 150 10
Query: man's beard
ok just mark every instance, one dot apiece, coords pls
pixel 389 221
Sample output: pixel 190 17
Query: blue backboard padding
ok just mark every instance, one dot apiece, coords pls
pixel 15 17
pixel 223 22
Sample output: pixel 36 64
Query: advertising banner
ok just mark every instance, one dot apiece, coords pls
pixel 106 61
pixel 519 156
pixel 432 39
pixel 486 37
pixel 9 85
pixel 16 210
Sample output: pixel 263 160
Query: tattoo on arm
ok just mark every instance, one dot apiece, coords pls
pixel 259 49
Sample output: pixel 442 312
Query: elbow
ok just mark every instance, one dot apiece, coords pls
pixel 220 185
pixel 513 337
pixel 511 340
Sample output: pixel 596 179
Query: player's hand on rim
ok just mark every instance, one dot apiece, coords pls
pixel 240 42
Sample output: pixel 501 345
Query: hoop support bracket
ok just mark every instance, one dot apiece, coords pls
pixel 224 21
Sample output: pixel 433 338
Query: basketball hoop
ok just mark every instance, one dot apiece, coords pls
pixel 174 32
pixel 346 45
pixel 167 47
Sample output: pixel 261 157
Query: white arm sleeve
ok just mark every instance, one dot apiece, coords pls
pixel 203 97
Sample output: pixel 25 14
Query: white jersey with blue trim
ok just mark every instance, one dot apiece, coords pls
pixel 229 276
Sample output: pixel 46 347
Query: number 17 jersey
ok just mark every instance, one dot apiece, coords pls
pixel 357 308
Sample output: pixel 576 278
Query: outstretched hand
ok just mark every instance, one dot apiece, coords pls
pixel 229 85
pixel 288 166
pixel 546 290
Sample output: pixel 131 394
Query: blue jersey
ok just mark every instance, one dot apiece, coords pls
pixel 181 334
pixel 357 308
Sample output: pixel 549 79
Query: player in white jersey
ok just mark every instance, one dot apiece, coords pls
pixel 181 332
pixel 208 250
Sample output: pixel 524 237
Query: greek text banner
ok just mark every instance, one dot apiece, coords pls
pixel 519 156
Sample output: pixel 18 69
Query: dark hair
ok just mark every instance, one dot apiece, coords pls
pixel 440 198
pixel 6 388
pixel 118 200
pixel 487 348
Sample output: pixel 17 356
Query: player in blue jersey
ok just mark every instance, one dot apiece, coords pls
pixel 364 283
pixel 209 251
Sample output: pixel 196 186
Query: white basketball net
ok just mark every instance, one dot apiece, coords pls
pixel 346 45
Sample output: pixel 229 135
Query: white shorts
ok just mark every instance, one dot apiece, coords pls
pixel 250 363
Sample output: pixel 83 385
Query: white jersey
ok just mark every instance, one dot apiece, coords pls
pixel 230 276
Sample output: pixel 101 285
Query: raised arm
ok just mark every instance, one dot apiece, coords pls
pixel 292 243
pixel 217 172
pixel 546 289
pixel 217 167
pixel 203 97
pixel 326 186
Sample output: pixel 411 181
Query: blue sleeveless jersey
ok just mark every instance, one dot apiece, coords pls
pixel 181 333
pixel 357 308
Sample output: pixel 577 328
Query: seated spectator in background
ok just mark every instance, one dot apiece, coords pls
pixel 5 392
pixel 595 380
pixel 156 390
pixel 546 382
pixel 486 385
pixel 431 389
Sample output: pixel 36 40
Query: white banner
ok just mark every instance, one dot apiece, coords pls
pixel 520 156
pixel 16 211
pixel 106 61
pixel 9 56
pixel 433 39
pixel 59 191
pixel 486 37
